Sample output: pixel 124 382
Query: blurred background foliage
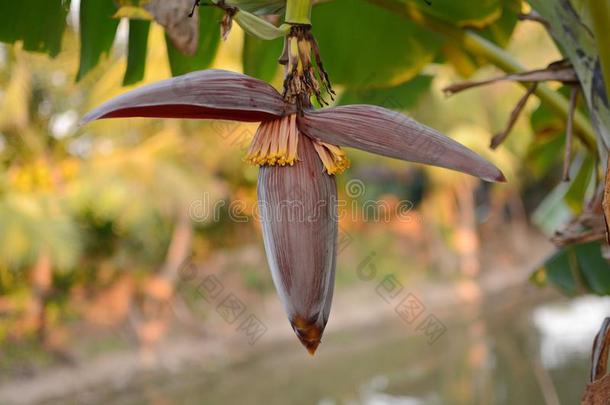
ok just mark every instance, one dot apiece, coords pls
pixel 97 223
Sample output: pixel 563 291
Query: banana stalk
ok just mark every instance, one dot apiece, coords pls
pixel 298 12
pixel 258 26
pixel 259 7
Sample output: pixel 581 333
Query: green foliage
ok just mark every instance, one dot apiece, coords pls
pixel 544 155
pixel 21 217
pixel 38 24
pixel 577 269
pixel 374 50
pixel 499 32
pixel 401 97
pixel 582 181
pixel 573 36
pixel 259 57
pixel 501 29
pixel 566 198
pixel 97 31
pixel 388 52
pixel 385 49
pixel 464 14
pixel 137 50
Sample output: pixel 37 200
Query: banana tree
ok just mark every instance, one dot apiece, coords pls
pixel 395 39
pixel 298 149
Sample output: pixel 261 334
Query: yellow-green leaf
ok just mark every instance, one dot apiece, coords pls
pixel 363 45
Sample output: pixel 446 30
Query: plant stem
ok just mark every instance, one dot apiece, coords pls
pixel 478 45
pixel 298 11
pixel 599 11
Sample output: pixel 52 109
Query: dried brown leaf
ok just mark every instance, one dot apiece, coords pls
pixel 180 26
pixel 589 226
pixel 555 72
pixel 599 354
pixel 501 137
pixel 597 391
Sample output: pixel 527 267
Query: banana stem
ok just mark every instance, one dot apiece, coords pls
pixel 478 45
pixel 599 10
pixel 298 11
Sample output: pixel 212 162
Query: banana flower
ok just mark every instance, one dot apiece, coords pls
pixel 299 152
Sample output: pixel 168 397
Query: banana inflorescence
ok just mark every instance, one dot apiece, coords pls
pixel 301 81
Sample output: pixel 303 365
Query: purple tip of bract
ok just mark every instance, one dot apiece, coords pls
pixel 206 94
pixel 299 220
pixel 390 133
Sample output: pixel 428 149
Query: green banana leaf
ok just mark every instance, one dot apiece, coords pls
pixel 97 32
pixel 365 46
pixel 575 270
pixel 39 24
pixel 570 31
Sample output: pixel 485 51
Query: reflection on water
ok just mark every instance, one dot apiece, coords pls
pixel 567 329
pixel 374 393
pixel 510 350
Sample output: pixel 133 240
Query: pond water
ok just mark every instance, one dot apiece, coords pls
pixel 513 350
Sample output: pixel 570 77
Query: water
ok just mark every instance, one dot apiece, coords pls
pixel 512 350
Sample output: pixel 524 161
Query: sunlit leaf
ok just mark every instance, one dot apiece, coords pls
pixel 477 14
pixel 580 184
pixel 135 13
pixel 499 32
pixel 15 101
pixel 366 46
pixel 463 62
